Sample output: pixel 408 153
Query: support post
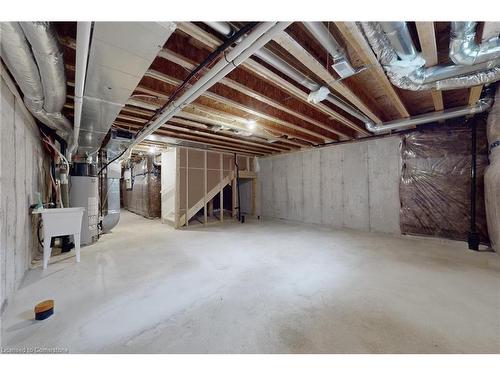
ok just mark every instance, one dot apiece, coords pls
pixel 221 195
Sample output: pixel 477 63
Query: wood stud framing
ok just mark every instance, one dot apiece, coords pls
pixel 427 37
pixel 352 34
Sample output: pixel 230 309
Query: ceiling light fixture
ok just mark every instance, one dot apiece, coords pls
pixel 251 124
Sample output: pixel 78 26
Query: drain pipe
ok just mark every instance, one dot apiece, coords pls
pixel 481 106
pixel 255 40
pixel 83 31
pixel 341 64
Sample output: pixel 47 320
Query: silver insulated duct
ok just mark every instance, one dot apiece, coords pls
pixel 32 54
pixel 463 47
pixel 406 69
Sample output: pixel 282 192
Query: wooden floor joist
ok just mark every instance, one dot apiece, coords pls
pixel 211 42
pixel 179 60
pixel 197 139
pixel 204 114
pixel 427 37
pixel 234 104
pixel 357 41
pixel 309 61
pixel 249 140
pixel 248 110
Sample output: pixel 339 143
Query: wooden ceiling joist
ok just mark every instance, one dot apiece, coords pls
pixel 203 114
pixel 357 41
pixel 309 61
pixel 251 140
pixel 211 42
pixel 242 108
pixel 234 104
pixel 179 60
pixel 174 126
pixel 427 38
pixel 228 145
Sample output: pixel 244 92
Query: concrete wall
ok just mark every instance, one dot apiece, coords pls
pixel 352 185
pixel 22 160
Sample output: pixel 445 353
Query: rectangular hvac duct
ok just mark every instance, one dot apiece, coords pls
pixel 120 54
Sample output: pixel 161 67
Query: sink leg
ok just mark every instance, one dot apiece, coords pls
pixel 46 251
pixel 77 246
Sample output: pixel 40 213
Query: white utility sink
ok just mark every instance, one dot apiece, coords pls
pixel 60 222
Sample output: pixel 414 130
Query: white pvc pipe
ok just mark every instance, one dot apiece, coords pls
pixel 83 31
pixel 261 35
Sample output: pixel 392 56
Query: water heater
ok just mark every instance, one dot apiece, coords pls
pixel 84 193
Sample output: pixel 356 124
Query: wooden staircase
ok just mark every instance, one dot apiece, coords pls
pixel 208 197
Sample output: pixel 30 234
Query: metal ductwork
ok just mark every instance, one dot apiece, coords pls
pixel 49 58
pixel 120 54
pixel 113 176
pixel 340 62
pixel 392 43
pixel 32 54
pixel 463 47
pixel 253 41
pixel 481 106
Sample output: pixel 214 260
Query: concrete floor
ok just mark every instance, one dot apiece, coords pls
pixel 262 287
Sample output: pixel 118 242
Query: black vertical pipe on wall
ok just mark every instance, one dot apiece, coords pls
pixel 473 237
pixel 238 186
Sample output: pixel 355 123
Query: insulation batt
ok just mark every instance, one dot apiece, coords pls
pixel 492 175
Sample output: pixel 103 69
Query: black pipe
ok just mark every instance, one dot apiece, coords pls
pixel 238 186
pixel 473 237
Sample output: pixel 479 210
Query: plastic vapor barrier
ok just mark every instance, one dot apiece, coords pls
pixel 144 197
pixel 436 181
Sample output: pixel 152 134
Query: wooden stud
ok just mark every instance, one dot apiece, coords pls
pixel 187 186
pixel 205 187
pixel 427 37
pixel 357 41
pixel 177 186
pixel 474 94
pixel 254 196
pixel 221 194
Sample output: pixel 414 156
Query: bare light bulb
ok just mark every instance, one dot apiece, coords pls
pixel 251 124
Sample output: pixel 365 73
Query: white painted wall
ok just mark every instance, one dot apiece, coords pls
pixel 20 177
pixel 352 185
pixel 168 185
